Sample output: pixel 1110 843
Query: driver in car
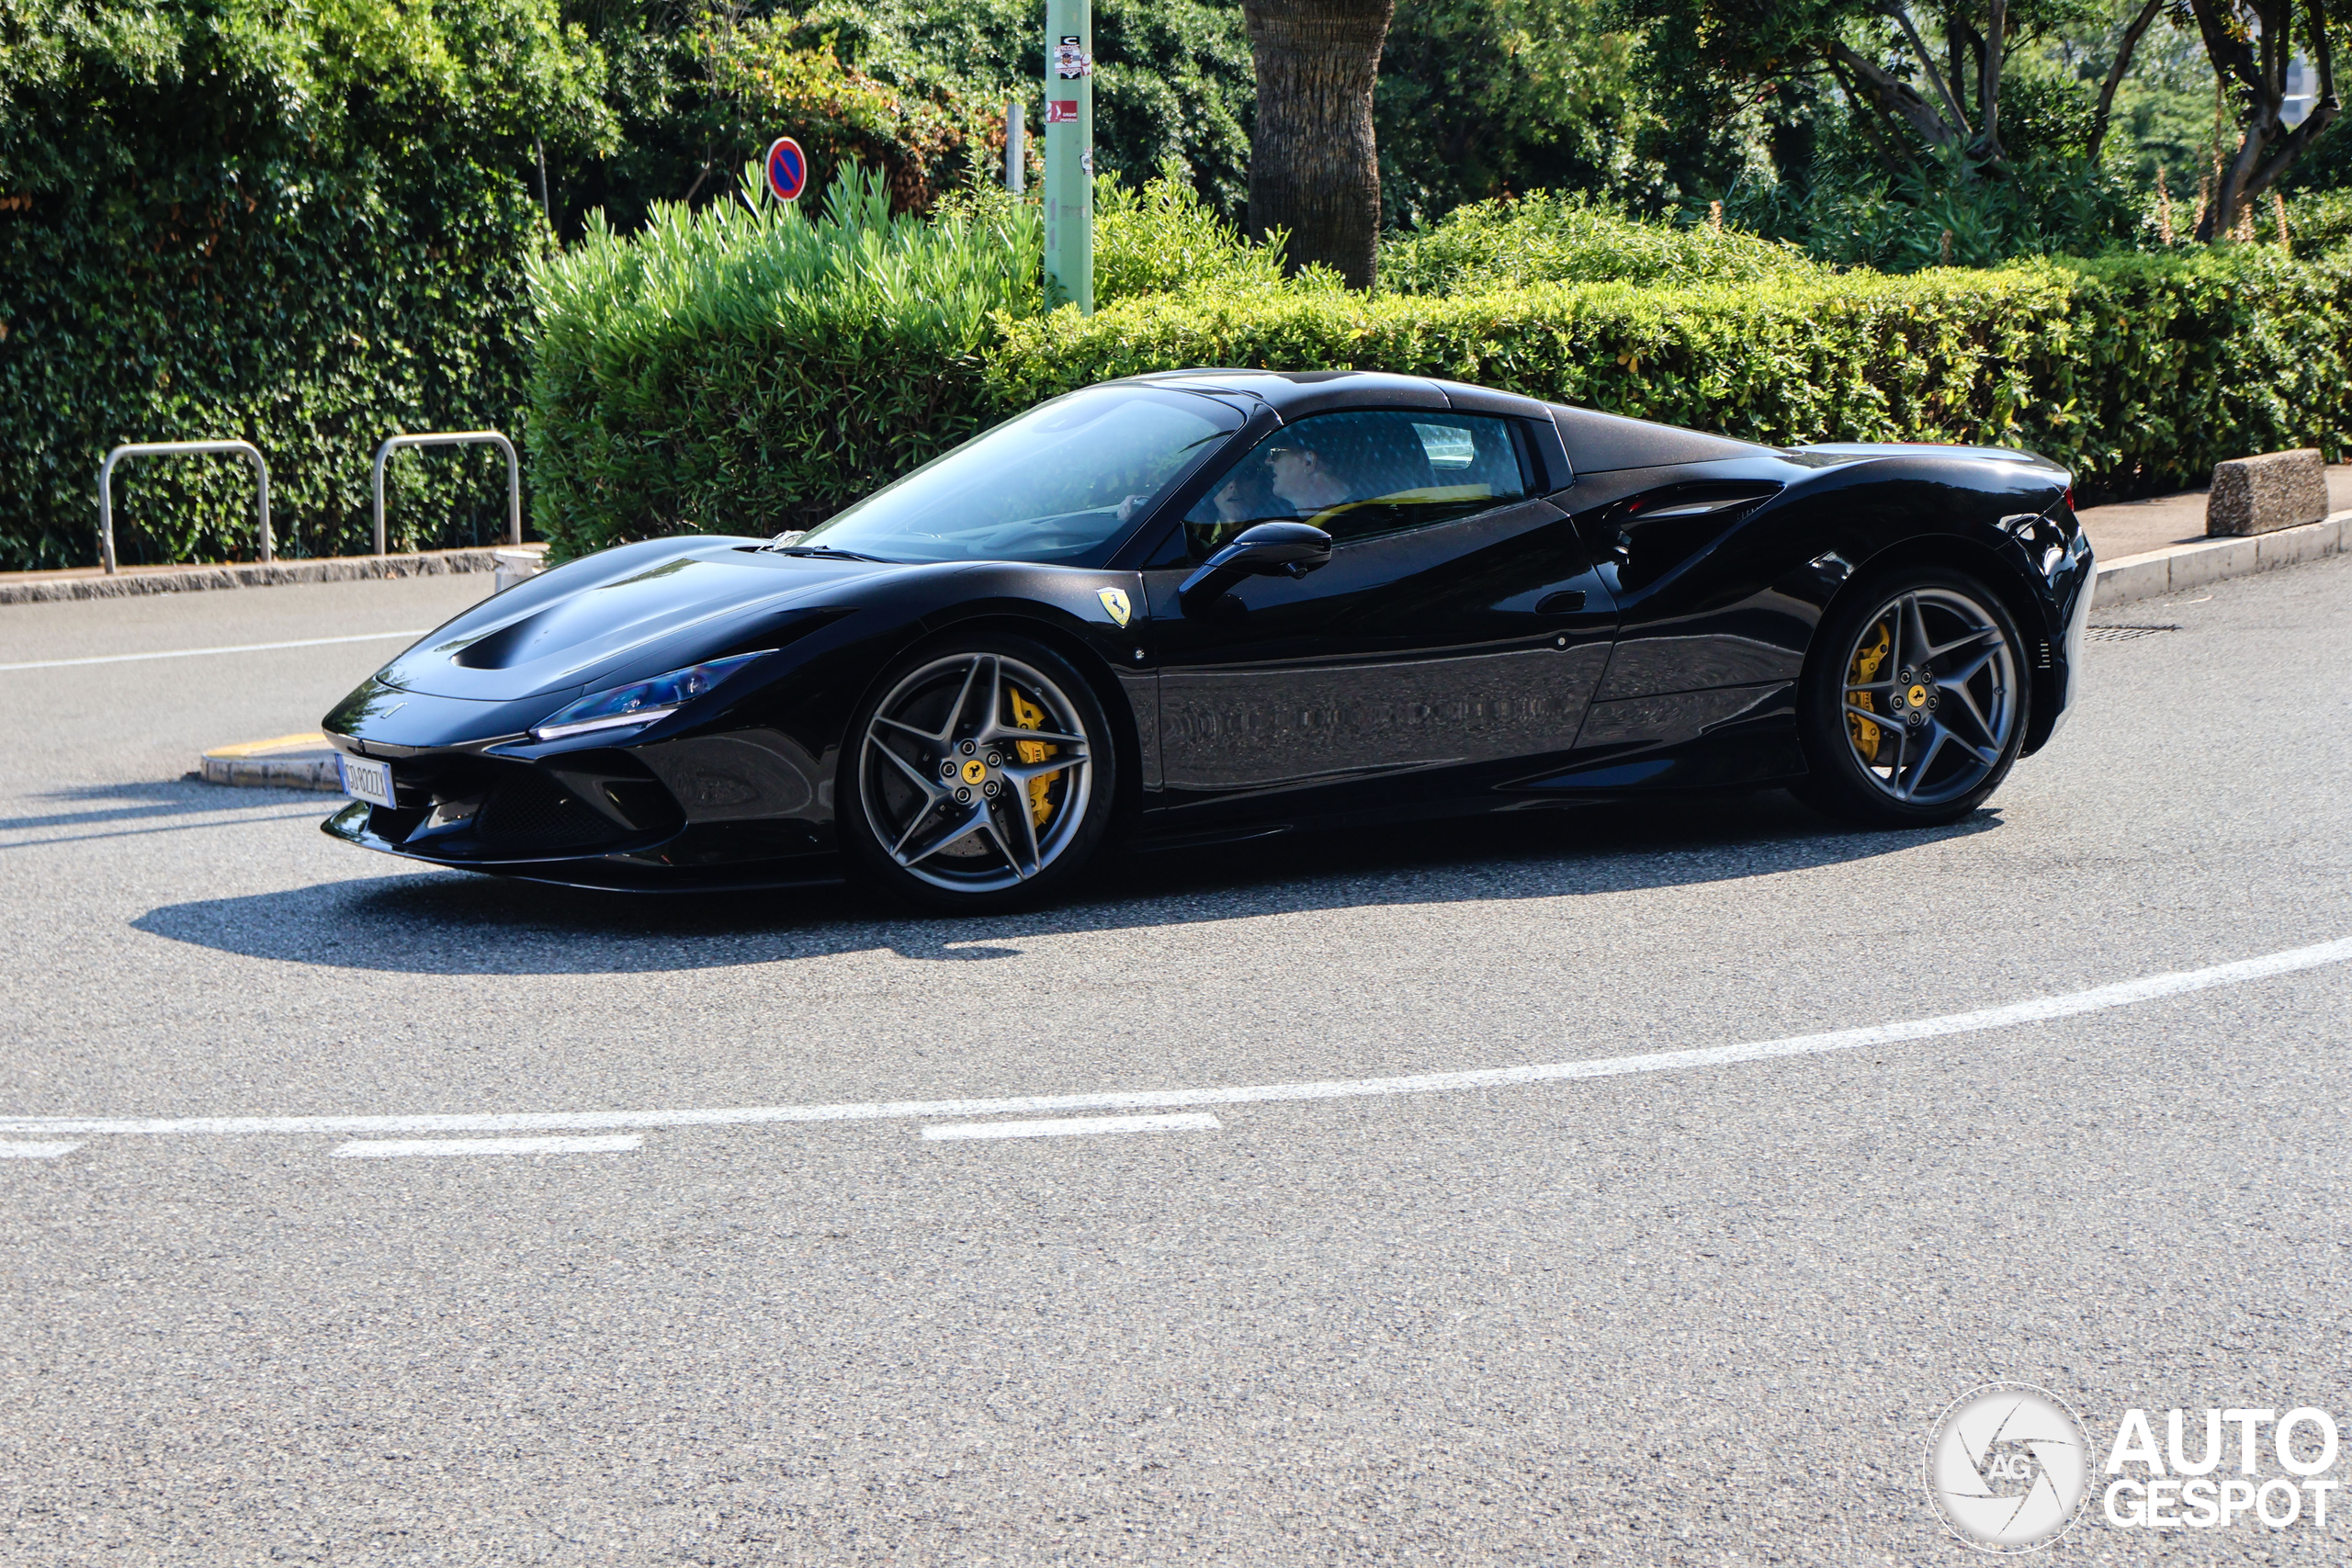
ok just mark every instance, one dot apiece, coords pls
pixel 1302 475
pixel 1241 498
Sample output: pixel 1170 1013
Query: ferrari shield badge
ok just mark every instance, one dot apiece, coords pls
pixel 1114 603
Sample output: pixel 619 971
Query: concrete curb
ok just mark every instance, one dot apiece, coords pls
pixel 89 582
pixel 2180 567
pixel 288 762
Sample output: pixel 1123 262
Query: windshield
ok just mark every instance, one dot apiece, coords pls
pixel 1060 484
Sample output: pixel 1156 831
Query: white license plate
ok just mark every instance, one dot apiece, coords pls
pixel 364 779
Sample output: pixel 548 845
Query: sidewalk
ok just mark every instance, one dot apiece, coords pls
pixel 2137 527
pixel 91 583
pixel 2148 548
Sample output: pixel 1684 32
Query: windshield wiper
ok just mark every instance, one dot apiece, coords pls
pixel 837 555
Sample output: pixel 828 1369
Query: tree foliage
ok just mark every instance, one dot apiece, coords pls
pixel 699 86
pixel 1485 98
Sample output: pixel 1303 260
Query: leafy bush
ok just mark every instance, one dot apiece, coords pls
pixel 763 82
pixel 306 228
pixel 2318 221
pixel 744 370
pixel 750 373
pixel 1940 214
pixel 1166 240
pixel 2140 371
pixel 1543 237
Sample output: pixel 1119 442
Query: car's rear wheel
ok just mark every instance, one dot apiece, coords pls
pixel 1913 706
pixel 980 776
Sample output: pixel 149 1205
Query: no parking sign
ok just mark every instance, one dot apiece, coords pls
pixel 787 168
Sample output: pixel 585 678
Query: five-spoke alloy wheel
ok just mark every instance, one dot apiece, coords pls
pixel 981 775
pixel 1914 703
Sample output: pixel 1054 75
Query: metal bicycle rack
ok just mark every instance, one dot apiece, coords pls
pixel 183 448
pixel 456 438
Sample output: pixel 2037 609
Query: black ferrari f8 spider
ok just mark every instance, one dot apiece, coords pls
pixel 1211 605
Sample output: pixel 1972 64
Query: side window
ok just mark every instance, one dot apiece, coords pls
pixel 1357 476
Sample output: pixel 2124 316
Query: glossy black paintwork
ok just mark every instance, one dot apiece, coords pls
pixel 1412 654
pixel 1641 627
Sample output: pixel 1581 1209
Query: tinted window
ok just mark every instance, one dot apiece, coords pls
pixel 1060 484
pixel 1359 475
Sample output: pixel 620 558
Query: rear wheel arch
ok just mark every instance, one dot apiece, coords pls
pixel 1885 777
pixel 2005 580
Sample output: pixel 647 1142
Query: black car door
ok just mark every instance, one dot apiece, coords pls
pixel 1458 631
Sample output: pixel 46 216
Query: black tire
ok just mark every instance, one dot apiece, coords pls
pixel 1023 829
pixel 1924 741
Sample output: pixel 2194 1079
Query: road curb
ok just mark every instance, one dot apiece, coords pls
pixel 89 582
pixel 2201 561
pixel 287 762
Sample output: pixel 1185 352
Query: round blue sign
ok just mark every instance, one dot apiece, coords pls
pixel 788 169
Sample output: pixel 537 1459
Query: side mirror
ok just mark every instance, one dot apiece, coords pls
pixel 1290 549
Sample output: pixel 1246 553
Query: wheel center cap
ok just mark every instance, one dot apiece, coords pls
pixel 1919 695
pixel 975 771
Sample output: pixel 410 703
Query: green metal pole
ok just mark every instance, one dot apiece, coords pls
pixel 1070 153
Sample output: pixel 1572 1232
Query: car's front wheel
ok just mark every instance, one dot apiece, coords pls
pixel 980 775
pixel 1913 706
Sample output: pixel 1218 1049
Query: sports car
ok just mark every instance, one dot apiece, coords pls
pixel 1209 604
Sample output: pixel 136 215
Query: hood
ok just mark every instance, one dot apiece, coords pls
pixel 623 614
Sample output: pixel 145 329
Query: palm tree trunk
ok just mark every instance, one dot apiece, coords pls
pixel 1314 170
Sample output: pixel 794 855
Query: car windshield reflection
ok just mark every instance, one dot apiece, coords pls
pixel 1062 483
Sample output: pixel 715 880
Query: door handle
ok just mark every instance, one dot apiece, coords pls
pixel 1564 604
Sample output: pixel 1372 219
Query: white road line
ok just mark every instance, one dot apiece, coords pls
pixel 397 1148
pixel 36 1151
pixel 2073 1004
pixel 1078 1126
pixel 202 652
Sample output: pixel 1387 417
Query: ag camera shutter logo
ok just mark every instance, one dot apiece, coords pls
pixel 2007 1467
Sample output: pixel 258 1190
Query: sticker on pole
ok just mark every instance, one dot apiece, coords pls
pixel 1061 111
pixel 787 168
pixel 1071 60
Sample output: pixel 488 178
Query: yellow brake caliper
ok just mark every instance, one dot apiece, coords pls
pixel 1866 664
pixel 1029 716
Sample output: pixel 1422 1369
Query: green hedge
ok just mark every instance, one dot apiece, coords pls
pixel 741 370
pixel 2139 372
pixel 304 227
pixel 326 318
pixel 1545 237
pixel 744 370
pixel 737 374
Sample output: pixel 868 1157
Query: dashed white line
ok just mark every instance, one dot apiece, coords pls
pixel 2040 1010
pixel 1076 1126
pixel 36 1151
pixel 202 652
pixel 402 1148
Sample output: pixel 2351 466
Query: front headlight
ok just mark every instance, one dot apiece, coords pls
pixel 641 702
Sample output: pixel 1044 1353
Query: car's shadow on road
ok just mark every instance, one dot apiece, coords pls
pixel 455 923
pixel 104 804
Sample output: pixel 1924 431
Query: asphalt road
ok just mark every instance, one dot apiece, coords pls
pixel 1703 1314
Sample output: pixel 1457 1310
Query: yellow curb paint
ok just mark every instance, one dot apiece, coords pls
pixel 282 743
